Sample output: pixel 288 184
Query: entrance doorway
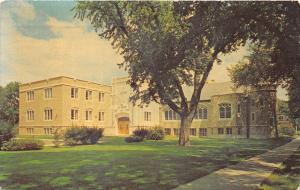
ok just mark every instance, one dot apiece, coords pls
pixel 123 125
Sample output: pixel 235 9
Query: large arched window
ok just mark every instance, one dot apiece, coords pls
pixel 171 115
pixel 225 110
pixel 201 113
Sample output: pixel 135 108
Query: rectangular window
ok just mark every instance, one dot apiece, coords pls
pixel 147 116
pixel 220 131
pixel 88 94
pixel 30 115
pixel 203 132
pixel 166 115
pixel 167 131
pixel 192 131
pixel 238 108
pixel 30 95
pixel 176 131
pixel 30 131
pixel 74 92
pixel 74 114
pixel 225 111
pixel 101 116
pixel 48 131
pixel 48 115
pixel 101 97
pixel 88 114
pixel 252 116
pixel 48 93
pixel 228 131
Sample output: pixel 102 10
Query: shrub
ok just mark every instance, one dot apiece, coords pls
pixel 22 144
pixel 83 135
pixel 156 133
pixel 132 139
pixel 57 135
pixel 140 132
pixel 286 130
pixel 7 132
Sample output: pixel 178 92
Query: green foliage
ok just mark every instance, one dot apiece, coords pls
pixel 132 139
pixel 286 130
pixel 156 133
pixel 22 144
pixel 141 132
pixel 9 103
pixel 57 136
pixel 7 131
pixel 82 135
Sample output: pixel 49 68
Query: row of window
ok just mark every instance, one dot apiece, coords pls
pixel 47 131
pixel 202 131
pixel 202 113
pixel 48 114
pixel 74 94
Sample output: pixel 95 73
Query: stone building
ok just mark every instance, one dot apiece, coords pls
pixel 63 102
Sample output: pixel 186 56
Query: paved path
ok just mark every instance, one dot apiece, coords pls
pixel 246 175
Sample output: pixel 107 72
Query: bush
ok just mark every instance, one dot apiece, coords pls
pixel 140 132
pixel 7 132
pixel 22 144
pixel 57 135
pixel 83 135
pixel 156 134
pixel 286 130
pixel 132 139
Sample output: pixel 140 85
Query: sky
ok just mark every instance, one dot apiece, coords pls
pixel 41 39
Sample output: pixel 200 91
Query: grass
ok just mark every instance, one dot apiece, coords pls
pixel 114 164
pixel 35 137
pixel 288 177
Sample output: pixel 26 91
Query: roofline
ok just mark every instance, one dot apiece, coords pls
pixel 38 81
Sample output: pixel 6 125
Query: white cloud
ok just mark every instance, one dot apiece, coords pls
pixel 75 52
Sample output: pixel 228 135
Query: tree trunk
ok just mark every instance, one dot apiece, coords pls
pixel 184 133
pixel 275 122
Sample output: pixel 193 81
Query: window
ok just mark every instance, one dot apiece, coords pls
pixel 88 114
pixel 48 114
pixel 74 114
pixel 74 92
pixel 176 131
pixel 252 116
pixel 88 94
pixel 48 131
pixel 30 95
pixel 220 131
pixel 30 131
pixel 48 93
pixel 238 108
pixel 147 116
pixel 30 115
pixel 171 115
pixel 281 118
pixel 225 111
pixel 201 113
pixel 101 116
pixel 101 97
pixel 192 131
pixel 167 131
pixel 203 132
pixel 228 131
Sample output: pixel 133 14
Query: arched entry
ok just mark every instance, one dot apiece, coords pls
pixel 123 125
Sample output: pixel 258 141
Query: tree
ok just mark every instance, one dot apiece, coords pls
pixel 167 45
pixel 9 103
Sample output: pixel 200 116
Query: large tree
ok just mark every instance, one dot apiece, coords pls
pixel 169 45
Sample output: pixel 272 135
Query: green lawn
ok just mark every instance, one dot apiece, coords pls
pixel 114 164
pixel 288 177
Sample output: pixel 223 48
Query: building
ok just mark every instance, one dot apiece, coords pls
pixel 63 102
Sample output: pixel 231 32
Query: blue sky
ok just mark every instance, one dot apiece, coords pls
pixel 41 39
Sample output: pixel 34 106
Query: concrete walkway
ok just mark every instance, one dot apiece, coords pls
pixel 246 175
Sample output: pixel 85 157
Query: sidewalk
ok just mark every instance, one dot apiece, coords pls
pixel 246 175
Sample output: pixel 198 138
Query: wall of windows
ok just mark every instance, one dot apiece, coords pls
pixel 171 115
pixel 30 95
pixel 225 111
pixel 48 93
pixel 48 114
pixel 201 113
